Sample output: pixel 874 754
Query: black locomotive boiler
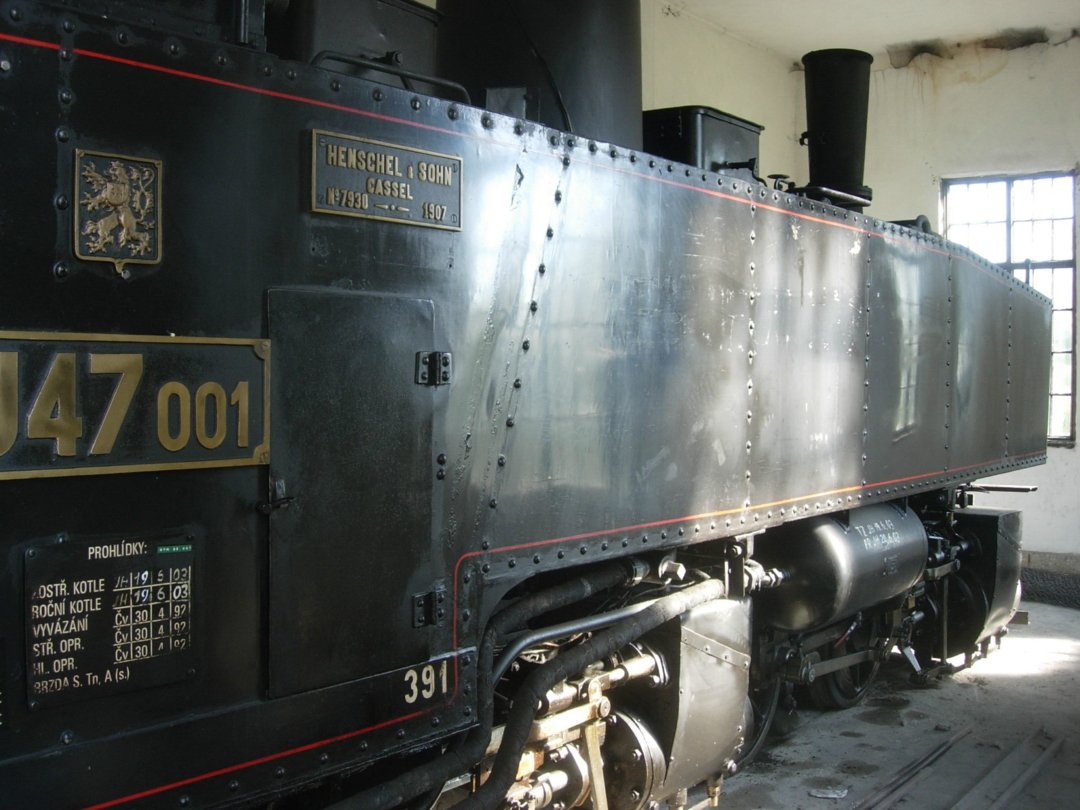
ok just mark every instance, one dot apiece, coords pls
pixel 359 444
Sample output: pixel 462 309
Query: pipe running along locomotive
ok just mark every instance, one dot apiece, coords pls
pixel 380 413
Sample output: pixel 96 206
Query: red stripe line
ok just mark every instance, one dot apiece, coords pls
pixel 253 762
pixel 720 513
pixel 819 220
pixel 416 124
pixel 36 43
pixel 260 91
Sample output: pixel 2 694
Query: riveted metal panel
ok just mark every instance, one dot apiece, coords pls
pixel 623 375
pixel 981 365
pixel 1029 370
pixel 808 343
pixel 907 362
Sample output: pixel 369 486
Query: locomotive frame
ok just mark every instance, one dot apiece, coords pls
pixel 644 361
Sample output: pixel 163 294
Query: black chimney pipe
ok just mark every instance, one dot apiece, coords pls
pixel 574 65
pixel 837 95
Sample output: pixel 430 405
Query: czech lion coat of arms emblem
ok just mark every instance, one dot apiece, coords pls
pixel 119 211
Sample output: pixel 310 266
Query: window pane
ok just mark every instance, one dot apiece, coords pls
pixel 1023 206
pixel 1063 240
pixel 989 241
pixel 988 202
pixel 1021 273
pixel 1063 288
pixel 1064 195
pixel 1021 242
pixel 1060 408
pixel 1044 198
pixel 959 234
pixel 956 204
pixel 1061 374
pixel 1042 279
pixel 1061 329
pixel 1042 241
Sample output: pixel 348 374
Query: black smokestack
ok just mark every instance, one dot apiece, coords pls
pixel 571 64
pixel 837 94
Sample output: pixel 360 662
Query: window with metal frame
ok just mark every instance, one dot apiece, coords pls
pixel 1027 224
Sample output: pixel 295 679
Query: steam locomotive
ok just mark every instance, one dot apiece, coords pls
pixel 384 413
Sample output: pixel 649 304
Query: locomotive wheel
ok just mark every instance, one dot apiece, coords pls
pixel 846 687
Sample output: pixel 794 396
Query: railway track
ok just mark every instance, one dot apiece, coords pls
pixel 932 779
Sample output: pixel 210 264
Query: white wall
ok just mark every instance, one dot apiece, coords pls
pixel 687 61
pixel 980 112
pixel 983 112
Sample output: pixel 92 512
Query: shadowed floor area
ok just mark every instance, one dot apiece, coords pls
pixel 1013 715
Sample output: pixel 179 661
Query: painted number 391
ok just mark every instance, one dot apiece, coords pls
pixel 425 682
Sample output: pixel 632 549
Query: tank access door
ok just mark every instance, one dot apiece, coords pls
pixel 351 486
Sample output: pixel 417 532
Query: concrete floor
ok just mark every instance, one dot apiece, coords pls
pixel 1031 683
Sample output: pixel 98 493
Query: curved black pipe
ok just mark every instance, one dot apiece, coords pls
pixel 766 708
pixel 459 760
pixel 393 70
pixel 570 662
pixel 594 622
pixel 568 125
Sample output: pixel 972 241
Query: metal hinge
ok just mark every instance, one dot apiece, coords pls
pixel 279 500
pixel 434 368
pixel 429 609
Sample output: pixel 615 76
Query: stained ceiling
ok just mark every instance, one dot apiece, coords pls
pixel 899 28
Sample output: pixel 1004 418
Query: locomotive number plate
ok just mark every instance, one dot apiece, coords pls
pixel 84 404
pixel 356 177
pixel 108 615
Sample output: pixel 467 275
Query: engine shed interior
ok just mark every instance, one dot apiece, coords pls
pixel 535 404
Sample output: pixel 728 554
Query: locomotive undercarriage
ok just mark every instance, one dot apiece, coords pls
pixel 692 699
